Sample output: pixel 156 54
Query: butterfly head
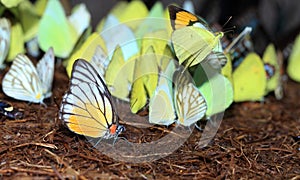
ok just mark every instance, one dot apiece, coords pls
pixel 116 129
pixel 270 70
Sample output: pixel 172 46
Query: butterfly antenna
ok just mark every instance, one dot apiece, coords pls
pixel 229 30
pixel 226 22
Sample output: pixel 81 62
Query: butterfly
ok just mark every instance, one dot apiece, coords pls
pixel 61 32
pixel 145 80
pixel 119 74
pixel 215 88
pixel 272 66
pixel 87 107
pixel 294 62
pixel 193 40
pixel 4 39
pixel 16 42
pixel 86 50
pixel 116 33
pixel 9 111
pixel 25 82
pixel 184 104
pixel 249 79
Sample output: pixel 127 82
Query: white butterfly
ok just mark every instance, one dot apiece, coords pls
pixel 87 107
pixel 25 82
pixel 187 100
pixel 100 61
pixel 115 33
pixel 4 39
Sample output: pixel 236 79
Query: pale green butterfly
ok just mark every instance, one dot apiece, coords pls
pixel 61 32
pixel 4 39
pixel 145 79
pixel 25 82
pixel 215 88
pixel 119 74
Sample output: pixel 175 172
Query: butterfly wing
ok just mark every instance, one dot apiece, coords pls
pixel 100 61
pixel 55 30
pixel 249 79
pixel 189 103
pixel 118 34
pixel 215 88
pixel 272 66
pixel 22 82
pixel 181 18
pixel 87 107
pixel 161 108
pixel 4 38
pixel 45 70
pixel 217 60
pixel 193 44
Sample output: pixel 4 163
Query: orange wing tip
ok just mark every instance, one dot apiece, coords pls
pixel 180 17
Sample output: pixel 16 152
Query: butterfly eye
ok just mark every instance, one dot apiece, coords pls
pixel 270 70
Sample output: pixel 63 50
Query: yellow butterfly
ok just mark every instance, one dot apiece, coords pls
pixel 192 38
pixel 249 79
pixel 272 67
pixel 293 67
pixel 87 107
pixel 4 39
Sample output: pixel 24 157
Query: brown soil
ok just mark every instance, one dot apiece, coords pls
pixel 255 140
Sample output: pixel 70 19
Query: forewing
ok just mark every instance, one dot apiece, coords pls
pixel 100 61
pixel 193 44
pixel 45 70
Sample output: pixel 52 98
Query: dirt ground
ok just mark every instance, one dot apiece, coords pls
pixel 255 140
